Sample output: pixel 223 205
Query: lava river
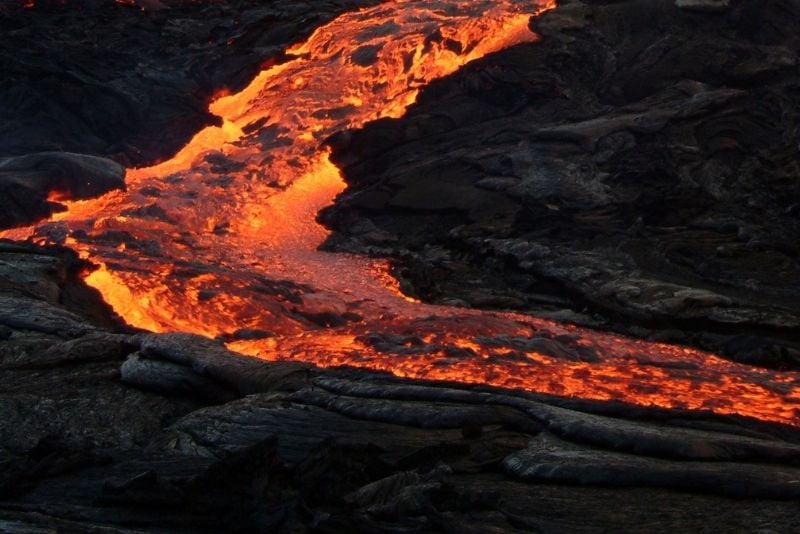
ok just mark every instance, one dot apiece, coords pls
pixel 222 241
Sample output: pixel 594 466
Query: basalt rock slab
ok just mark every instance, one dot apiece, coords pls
pixel 210 358
pixel 709 6
pixel 636 169
pixel 40 282
pixel 614 469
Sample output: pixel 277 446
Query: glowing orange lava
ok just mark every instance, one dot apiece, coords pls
pixel 221 239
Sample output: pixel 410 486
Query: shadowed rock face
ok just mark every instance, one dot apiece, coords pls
pixel 637 169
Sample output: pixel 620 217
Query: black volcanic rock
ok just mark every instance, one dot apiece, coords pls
pixel 26 183
pixel 636 169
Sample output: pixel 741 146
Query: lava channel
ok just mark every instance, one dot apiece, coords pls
pixel 221 240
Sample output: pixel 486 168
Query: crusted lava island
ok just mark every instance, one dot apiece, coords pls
pixel 399 266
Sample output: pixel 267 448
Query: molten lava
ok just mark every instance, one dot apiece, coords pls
pixel 221 240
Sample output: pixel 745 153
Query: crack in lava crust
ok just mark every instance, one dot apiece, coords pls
pixel 221 240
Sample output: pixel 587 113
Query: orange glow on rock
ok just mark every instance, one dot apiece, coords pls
pixel 222 238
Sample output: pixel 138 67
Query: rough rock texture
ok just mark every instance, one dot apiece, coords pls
pixel 636 169
pixel 109 430
pixel 704 5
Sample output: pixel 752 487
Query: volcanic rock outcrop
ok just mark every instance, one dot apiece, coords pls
pixel 29 183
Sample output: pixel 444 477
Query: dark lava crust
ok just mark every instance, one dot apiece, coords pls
pixel 638 169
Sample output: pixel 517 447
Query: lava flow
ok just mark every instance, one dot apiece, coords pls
pixel 222 241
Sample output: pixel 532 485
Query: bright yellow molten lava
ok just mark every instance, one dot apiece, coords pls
pixel 223 237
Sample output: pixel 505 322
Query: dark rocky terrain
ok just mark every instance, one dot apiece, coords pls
pixel 635 170
pixel 106 430
pixel 598 175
